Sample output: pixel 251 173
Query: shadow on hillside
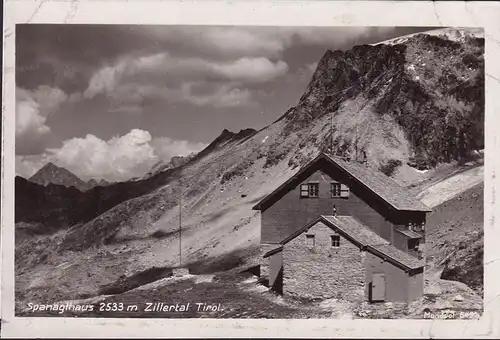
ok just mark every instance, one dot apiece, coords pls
pixel 228 262
pixel 124 284
pixel 233 260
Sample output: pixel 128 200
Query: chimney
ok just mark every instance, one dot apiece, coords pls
pixel 364 159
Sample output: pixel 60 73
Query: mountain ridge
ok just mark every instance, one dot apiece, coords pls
pixel 396 84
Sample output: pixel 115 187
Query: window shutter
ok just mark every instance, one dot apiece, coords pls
pixel 344 190
pixel 304 190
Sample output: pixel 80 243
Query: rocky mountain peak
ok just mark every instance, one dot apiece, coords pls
pixel 50 173
pixel 53 174
pixel 430 86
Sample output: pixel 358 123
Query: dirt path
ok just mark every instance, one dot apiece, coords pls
pixel 445 190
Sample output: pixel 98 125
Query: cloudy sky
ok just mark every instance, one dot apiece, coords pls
pixel 109 101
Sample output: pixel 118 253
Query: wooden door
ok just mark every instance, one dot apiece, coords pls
pixel 378 287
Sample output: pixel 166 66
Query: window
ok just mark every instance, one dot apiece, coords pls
pixel 310 240
pixel 416 226
pixel 335 189
pixel 309 190
pixel 339 190
pixel 419 226
pixel 335 240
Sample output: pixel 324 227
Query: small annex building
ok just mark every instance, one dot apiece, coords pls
pixel 337 257
pixel 340 229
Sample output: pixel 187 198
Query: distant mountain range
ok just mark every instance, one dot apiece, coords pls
pixel 53 174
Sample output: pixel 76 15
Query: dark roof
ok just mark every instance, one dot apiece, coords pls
pixel 393 253
pixel 382 185
pixel 348 226
pixel 376 181
pixel 409 233
pixel 363 237
pixel 273 251
pixel 352 227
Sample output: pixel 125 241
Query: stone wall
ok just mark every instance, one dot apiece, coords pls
pixel 323 271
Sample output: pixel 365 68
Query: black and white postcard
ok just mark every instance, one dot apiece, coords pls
pixel 215 172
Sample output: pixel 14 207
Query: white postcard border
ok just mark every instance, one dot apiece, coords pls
pixel 277 13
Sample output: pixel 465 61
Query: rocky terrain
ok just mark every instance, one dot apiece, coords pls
pixel 414 107
pixel 455 247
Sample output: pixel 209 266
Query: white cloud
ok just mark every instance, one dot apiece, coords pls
pixel 49 98
pixel 105 80
pixel 231 42
pixel 118 159
pixel 220 97
pixel 232 59
pixel 251 70
pixel 243 42
pixel 32 109
pixel 28 118
pixel 134 79
pixel 226 42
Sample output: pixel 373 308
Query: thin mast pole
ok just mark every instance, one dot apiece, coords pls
pixel 331 131
pixel 180 223
pixel 356 144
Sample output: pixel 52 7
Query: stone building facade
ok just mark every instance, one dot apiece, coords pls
pixel 337 257
pixel 372 220
pixel 321 270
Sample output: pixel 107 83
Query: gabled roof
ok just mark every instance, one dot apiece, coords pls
pixel 374 180
pixel 273 251
pixel 391 252
pixel 348 226
pixel 361 236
